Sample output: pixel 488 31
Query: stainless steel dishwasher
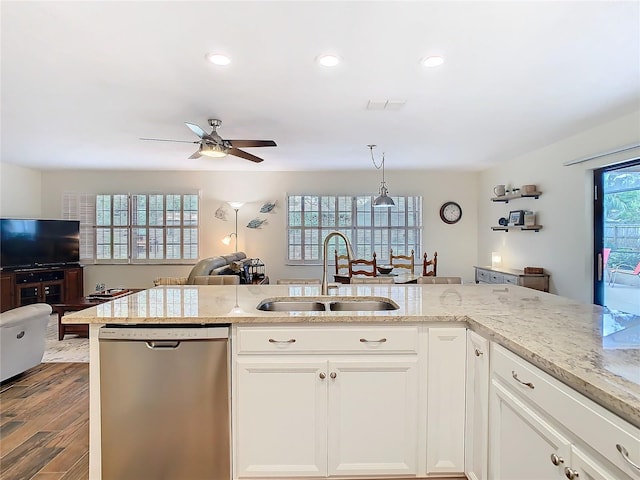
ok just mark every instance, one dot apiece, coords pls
pixel 165 403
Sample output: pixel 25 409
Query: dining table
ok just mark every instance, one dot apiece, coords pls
pixel 398 278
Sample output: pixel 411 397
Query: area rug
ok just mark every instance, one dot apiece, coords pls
pixel 71 349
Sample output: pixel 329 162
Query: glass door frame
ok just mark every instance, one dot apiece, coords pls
pixel 599 275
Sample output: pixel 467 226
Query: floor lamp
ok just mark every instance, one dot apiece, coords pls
pixel 227 240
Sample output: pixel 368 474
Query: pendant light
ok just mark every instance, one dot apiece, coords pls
pixel 382 200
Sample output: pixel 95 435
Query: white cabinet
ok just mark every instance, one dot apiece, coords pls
pixel 540 428
pixel 372 417
pixel 275 398
pixel 445 400
pixel 522 444
pixel 332 401
pixel 477 407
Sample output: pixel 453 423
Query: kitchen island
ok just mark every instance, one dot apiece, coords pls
pixel 581 346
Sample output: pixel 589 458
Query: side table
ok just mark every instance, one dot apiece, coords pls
pixel 77 304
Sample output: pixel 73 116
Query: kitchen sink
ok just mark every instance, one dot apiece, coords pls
pixel 291 306
pixel 333 304
pixel 362 306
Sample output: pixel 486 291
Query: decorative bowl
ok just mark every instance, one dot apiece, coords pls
pixel 384 269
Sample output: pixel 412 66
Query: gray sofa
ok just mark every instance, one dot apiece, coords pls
pixel 22 338
pixel 232 264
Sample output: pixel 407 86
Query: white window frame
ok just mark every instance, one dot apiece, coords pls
pixel 369 229
pixel 83 207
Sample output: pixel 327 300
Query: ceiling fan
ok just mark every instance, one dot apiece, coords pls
pixel 213 145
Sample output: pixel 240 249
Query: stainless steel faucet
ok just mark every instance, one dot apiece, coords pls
pixel 334 233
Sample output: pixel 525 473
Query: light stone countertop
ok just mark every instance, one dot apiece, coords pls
pixel 584 346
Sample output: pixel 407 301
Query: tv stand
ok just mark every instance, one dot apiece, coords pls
pixel 48 284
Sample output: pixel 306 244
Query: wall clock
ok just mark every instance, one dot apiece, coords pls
pixel 450 212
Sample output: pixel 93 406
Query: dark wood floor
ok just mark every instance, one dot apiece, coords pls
pixel 44 423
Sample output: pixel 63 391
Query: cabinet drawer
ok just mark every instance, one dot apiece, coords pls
pixel 312 340
pixel 496 278
pixel 591 423
pixel 482 276
pixel 512 279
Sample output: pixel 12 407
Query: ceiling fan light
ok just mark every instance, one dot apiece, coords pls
pixel 215 151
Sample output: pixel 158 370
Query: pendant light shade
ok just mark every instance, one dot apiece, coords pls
pixel 382 200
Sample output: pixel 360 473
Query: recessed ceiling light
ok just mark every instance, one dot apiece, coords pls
pixel 328 60
pixel 433 61
pixel 218 59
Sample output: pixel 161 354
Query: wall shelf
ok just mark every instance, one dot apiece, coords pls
pixel 506 198
pixel 533 228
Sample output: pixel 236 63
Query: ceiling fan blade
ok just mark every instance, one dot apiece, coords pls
pixel 165 140
pixel 197 130
pixel 196 154
pixel 252 143
pixel 248 156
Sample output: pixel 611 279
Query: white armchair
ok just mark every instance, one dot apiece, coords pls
pixel 22 338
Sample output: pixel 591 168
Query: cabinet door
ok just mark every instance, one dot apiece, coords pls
pixel 52 292
pixel 477 408
pixel 523 445
pixel 73 283
pixel 446 368
pixel 7 283
pixel 281 411
pixel 28 294
pixel 373 416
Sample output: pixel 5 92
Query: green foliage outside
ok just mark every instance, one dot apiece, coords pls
pixel 622 217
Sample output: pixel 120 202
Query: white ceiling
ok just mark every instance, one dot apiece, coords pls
pixel 82 81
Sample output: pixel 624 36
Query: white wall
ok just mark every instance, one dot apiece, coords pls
pixel 564 247
pixel 21 191
pixel 455 244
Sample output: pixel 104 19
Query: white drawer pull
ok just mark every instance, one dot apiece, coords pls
pixel 364 340
pixel 625 454
pixel 479 352
pixel 515 377
pixel 291 340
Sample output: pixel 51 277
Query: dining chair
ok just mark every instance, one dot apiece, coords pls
pixel 401 261
pixel 342 263
pixel 433 263
pixel 363 263
pixel 371 280
pixel 440 280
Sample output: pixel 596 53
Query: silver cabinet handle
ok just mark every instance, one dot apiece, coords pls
pixel 364 340
pixel 625 455
pixel 333 375
pixel 556 460
pixel 570 473
pixel 515 377
pixel 479 352
pixel 163 345
pixel 322 375
pixel 291 340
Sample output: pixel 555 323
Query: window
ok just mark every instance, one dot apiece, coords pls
pixel 311 217
pixel 137 228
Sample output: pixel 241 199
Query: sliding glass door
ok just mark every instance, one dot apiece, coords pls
pixel 617 237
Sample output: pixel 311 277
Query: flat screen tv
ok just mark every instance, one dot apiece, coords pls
pixel 28 243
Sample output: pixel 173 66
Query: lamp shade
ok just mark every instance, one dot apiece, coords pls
pixel 383 201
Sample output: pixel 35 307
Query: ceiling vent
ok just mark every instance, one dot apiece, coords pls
pixel 385 104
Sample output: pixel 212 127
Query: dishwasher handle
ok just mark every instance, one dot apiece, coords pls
pixel 163 344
